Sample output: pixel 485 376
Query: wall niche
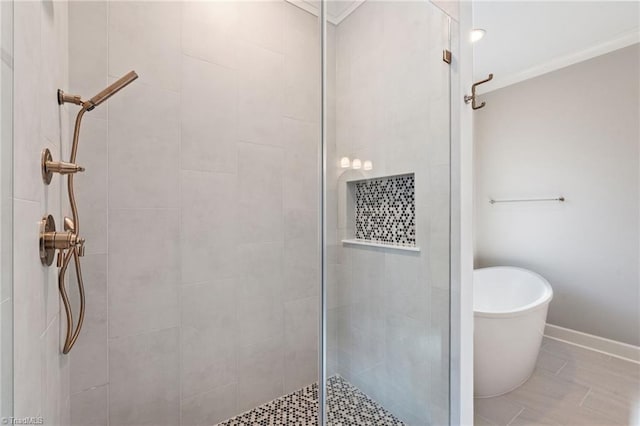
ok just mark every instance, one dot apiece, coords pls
pixel 381 211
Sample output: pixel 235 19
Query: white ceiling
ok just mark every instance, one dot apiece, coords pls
pixel 529 38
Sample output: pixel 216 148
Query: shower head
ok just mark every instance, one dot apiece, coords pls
pixel 111 90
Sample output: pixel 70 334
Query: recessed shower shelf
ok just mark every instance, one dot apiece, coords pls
pixel 368 243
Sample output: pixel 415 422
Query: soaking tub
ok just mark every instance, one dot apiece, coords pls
pixel 510 311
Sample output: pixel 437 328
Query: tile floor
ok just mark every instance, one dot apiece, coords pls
pixel 571 386
pixel 348 406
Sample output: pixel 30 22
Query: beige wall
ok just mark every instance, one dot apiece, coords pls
pixel 573 132
pixel 388 312
pixel 199 206
pixel 41 387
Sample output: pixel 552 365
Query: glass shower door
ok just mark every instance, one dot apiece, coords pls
pixel 387 214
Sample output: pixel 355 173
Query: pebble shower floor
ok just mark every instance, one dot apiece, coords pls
pixel 348 406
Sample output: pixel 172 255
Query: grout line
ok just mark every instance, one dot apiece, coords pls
pixel 143 333
pixel 270 145
pixel 50 324
pixel 560 369
pixel 143 209
pixel 516 416
pixel 584 398
pixel 480 417
pixel 90 388
pixel 25 200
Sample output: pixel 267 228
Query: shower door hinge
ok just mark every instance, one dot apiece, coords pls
pixel 446 56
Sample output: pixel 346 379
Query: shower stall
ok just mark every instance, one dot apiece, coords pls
pixel 266 212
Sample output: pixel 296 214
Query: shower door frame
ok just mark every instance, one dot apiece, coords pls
pixel 322 228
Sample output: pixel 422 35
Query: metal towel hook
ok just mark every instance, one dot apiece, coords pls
pixel 473 96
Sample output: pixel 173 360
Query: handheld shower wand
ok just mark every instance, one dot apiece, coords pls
pixel 69 243
pixel 105 94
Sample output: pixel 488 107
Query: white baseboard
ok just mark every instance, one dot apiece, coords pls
pixel 595 343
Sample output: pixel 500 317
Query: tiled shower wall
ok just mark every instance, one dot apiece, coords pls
pixel 199 205
pixel 388 313
pixel 40 63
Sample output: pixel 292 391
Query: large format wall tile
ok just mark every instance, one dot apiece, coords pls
pixel 54 55
pixel 144 270
pixel 301 324
pixel 260 372
pixel 145 37
pixel 302 65
pixel 55 386
pixel 211 407
pixel 262 23
pixel 91 407
pixel 28 310
pixel 301 254
pixel 210 227
pixel 260 95
pixel 27 180
pixel 301 166
pixel 260 270
pixel 89 355
pixel 144 384
pixel 88 50
pixel 260 193
pixel 208 336
pixel 209 120
pixel 92 185
pixel 144 147
pixel 209 31
pixel 260 318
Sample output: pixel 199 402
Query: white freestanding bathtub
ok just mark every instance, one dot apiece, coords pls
pixel 510 311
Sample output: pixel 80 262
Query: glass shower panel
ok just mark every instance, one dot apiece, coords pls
pixel 387 137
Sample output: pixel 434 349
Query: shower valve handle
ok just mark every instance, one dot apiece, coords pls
pixel 52 240
pixel 49 167
pixel 63 168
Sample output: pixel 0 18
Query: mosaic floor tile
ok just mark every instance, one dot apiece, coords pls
pixel 348 406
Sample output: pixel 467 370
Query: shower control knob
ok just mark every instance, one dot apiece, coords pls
pixel 48 167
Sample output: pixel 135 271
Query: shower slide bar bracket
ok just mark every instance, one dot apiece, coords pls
pixel 68 243
pixel 474 96
pixel 525 200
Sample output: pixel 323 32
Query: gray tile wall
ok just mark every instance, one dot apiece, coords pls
pixel 389 310
pixel 40 68
pixel 200 209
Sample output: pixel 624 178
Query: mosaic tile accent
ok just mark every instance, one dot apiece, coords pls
pixel 348 406
pixel 386 210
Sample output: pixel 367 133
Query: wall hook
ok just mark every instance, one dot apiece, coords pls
pixel 473 96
